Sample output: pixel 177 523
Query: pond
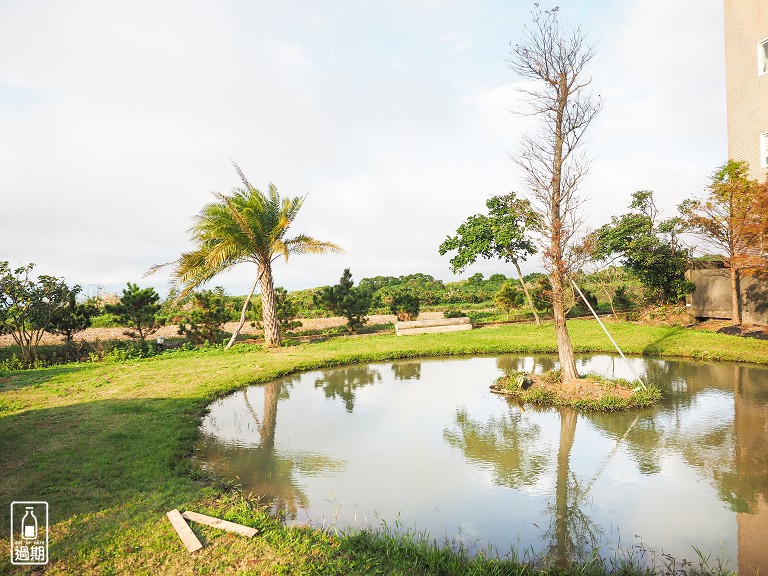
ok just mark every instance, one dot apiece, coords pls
pixel 423 445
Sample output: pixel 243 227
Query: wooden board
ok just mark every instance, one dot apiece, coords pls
pixel 184 531
pixel 432 322
pixel 219 523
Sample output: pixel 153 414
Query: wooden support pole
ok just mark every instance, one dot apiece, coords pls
pixel 219 523
pixel 184 531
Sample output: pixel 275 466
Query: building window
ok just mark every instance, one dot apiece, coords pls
pixel 762 57
pixel 764 150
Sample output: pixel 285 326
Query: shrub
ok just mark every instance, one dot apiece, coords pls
pixel 508 297
pixel 454 314
pixel 405 304
pixel 346 300
pixel 71 317
pixel 580 307
pixel 206 317
pixel 105 321
pixel 137 309
pixel 621 298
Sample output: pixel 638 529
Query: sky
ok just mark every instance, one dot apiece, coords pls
pixel 395 119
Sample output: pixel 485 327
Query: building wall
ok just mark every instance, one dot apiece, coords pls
pixel 712 296
pixel 746 25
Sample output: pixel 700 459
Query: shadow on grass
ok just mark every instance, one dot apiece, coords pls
pixel 657 347
pixel 26 378
pixel 89 457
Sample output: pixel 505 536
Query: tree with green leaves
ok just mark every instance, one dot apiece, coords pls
pixel 405 304
pixel 612 281
pixel 73 316
pixel 733 218
pixel 205 318
pixel 504 233
pixel 346 300
pixel 508 297
pixel 28 306
pixel 247 226
pixel 649 248
pixel 137 309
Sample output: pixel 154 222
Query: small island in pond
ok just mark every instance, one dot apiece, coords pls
pixel 590 392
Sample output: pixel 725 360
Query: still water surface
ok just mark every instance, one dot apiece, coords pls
pixel 424 445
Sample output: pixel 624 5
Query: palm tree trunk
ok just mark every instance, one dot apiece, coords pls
pixel 267 430
pixel 527 295
pixel 236 333
pixel 268 307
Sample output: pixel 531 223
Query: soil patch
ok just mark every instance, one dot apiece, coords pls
pixel 725 327
pixel 171 331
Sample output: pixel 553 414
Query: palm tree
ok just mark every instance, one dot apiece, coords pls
pixel 245 226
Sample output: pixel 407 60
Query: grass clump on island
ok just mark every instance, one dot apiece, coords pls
pixel 109 446
pixel 589 392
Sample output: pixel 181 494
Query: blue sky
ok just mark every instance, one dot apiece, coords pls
pixel 118 119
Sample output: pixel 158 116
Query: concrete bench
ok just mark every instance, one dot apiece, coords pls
pixel 431 326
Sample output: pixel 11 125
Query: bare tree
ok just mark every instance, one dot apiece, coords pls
pixel 554 59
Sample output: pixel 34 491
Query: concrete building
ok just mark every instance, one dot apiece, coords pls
pixel 712 296
pixel 746 77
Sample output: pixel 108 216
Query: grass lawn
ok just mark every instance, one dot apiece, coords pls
pixel 108 445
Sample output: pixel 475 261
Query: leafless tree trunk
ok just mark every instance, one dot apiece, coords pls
pixel 555 60
pixel 563 540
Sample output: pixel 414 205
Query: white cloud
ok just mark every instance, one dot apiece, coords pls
pixel 117 120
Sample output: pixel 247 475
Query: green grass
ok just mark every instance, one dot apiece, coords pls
pixel 108 446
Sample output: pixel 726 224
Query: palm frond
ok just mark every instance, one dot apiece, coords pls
pixel 239 218
pixel 279 249
pixel 241 174
pixel 194 269
pixel 303 244
pixel 244 226
pixel 155 267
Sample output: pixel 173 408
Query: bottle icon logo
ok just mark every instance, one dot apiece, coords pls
pixel 29 524
pixel 29 533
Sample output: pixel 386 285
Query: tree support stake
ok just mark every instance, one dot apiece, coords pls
pixel 584 298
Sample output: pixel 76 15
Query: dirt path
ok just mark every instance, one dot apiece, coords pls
pixel 94 334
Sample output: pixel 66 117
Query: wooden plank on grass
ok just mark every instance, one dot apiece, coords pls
pixel 184 531
pixel 219 523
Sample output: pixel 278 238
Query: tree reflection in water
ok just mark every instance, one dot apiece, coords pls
pixel 406 370
pixel 508 445
pixel 572 535
pixel 263 471
pixel 540 364
pixel 512 449
pixel 343 382
pixel 713 420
